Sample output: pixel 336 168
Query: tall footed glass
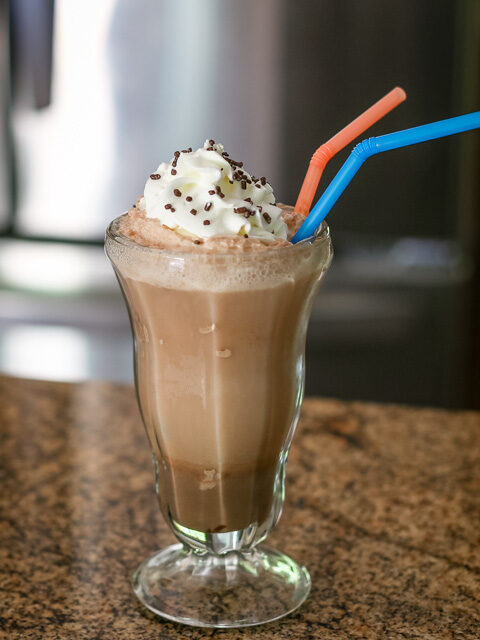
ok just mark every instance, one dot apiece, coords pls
pixel 219 370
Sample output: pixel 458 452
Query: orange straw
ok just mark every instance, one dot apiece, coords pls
pixel 340 140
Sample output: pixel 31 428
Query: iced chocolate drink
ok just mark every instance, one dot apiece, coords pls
pixel 219 301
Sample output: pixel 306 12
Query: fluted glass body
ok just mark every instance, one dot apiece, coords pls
pixel 219 369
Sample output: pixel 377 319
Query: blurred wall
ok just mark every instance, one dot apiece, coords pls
pixel 341 56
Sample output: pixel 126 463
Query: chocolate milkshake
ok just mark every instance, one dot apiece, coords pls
pixel 219 302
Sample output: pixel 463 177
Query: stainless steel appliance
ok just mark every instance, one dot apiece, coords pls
pixel 96 94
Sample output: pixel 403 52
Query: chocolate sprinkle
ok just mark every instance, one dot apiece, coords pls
pixel 206 222
pixel 193 212
pixel 207 207
pixel 189 198
pixel 197 242
pixel 263 180
pixel 246 235
pixel 243 184
pixel 240 209
pixel 172 209
pixel 177 192
pixel 211 192
pixel 174 172
pixel 155 176
pixel 176 154
pixel 211 142
pixel 267 218
pixel 249 200
pixel 168 206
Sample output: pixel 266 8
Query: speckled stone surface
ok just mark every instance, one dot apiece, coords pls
pixel 383 506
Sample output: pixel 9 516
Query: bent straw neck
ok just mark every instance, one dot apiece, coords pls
pixel 322 155
pixel 415 135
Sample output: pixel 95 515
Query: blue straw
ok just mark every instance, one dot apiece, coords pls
pixel 370 147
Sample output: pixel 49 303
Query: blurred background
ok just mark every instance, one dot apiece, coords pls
pixel 94 95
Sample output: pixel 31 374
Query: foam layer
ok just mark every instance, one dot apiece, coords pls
pixel 219 264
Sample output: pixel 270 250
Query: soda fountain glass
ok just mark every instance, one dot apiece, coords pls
pixel 219 343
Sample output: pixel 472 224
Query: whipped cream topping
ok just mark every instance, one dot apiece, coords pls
pixel 204 193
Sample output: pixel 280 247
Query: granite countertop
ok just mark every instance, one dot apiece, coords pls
pixel 383 506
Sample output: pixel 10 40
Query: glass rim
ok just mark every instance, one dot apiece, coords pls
pixel 322 234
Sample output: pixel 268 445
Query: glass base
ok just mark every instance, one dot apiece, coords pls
pixel 236 589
